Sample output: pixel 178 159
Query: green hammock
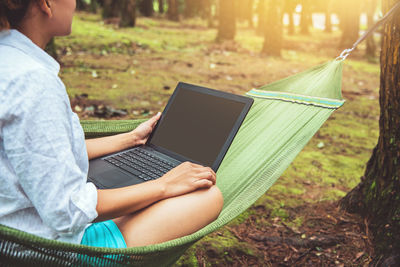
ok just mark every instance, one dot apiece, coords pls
pixel 284 117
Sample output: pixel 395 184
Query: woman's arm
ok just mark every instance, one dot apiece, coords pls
pixel 106 145
pixel 185 178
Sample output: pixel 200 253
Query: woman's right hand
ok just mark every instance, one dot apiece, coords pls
pixel 187 177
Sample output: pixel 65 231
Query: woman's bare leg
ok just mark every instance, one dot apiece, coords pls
pixel 171 218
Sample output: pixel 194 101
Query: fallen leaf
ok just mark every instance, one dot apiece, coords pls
pixel 359 255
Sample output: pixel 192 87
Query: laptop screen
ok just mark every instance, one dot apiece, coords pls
pixel 196 125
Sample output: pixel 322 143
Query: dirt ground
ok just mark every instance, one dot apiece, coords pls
pixel 327 237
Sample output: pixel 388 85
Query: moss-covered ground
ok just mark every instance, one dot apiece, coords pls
pixel 136 69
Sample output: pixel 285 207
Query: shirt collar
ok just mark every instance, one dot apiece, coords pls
pixel 19 41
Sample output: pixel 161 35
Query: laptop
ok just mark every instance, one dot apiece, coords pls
pixel 198 125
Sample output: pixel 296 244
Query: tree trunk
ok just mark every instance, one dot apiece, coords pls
pixel 371 46
pixel 111 8
pixel 161 6
pixel 262 16
pixel 93 6
pixel 289 8
pixel 305 20
pixel 173 10
pixel 206 6
pixel 227 20
pixel 250 13
pixel 377 197
pixel 291 24
pixel 80 5
pixel 128 13
pixel 273 33
pixel 245 11
pixel 191 8
pixel 328 22
pixel 147 8
pixel 350 23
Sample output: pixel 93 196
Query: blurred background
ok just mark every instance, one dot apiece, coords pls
pixel 196 32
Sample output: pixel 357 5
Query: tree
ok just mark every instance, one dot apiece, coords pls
pixel 273 33
pixel 245 11
pixel 262 15
pixel 173 13
pixel 111 8
pixel 160 6
pixel 227 20
pixel 191 8
pixel 377 196
pixel 306 17
pixel 128 13
pixel 81 5
pixel 93 6
pixel 349 22
pixel 206 7
pixel 289 8
pixel 328 17
pixel 328 22
pixel 146 7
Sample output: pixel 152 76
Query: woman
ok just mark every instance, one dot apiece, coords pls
pixel 44 157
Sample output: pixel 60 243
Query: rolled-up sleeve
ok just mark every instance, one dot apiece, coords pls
pixel 48 153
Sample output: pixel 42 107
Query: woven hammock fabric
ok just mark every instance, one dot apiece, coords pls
pixel 284 117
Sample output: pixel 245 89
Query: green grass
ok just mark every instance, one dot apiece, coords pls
pixel 364 67
pixel 89 33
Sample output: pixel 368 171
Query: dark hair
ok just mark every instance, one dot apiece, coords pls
pixel 12 12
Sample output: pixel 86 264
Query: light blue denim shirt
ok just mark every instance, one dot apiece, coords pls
pixel 43 157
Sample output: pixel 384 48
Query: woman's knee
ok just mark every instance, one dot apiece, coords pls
pixel 213 200
pixel 191 212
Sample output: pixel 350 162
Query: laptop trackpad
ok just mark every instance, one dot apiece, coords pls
pixel 114 178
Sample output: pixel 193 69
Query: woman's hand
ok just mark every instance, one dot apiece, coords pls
pixel 106 145
pixel 143 131
pixel 187 177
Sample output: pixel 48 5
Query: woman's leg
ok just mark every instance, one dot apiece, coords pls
pixel 171 218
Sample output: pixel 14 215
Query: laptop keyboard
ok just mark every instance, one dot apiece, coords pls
pixel 141 163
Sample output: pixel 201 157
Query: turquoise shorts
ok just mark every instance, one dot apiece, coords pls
pixel 103 234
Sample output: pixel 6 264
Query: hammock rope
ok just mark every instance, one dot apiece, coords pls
pixel 345 53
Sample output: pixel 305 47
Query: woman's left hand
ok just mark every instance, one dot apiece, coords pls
pixel 143 131
pixel 99 147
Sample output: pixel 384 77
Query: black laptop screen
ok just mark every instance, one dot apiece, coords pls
pixel 197 125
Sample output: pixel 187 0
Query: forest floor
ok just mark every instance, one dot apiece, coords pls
pixel 113 73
